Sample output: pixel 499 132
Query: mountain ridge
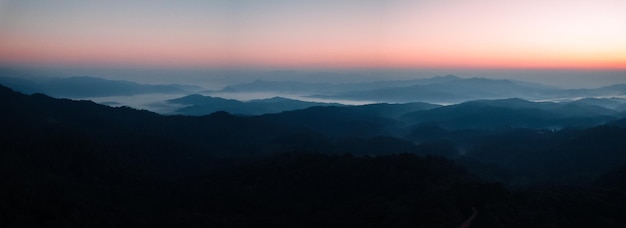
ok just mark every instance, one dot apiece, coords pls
pixel 87 86
pixel 197 104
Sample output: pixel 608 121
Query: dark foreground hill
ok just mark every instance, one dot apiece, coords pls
pixel 70 163
pixel 198 105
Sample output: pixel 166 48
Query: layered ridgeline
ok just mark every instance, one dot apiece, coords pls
pixel 261 97
pixel 440 89
pixel 78 163
pixel 84 87
pixel 197 105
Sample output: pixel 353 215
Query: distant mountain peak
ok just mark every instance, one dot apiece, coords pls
pixel 449 76
pixel 273 99
pixel 87 86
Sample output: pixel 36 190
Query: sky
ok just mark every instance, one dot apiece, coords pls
pixel 315 34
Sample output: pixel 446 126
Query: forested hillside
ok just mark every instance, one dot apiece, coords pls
pixel 71 163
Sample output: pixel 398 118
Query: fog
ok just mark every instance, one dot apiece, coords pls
pixel 266 95
pixel 215 79
pixel 152 102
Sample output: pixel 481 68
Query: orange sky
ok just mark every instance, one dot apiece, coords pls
pixel 309 34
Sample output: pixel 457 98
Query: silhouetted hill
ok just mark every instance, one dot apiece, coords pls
pixel 620 122
pixel 77 163
pixel 279 87
pixel 612 90
pixel 617 104
pixel 77 87
pixel 567 157
pixel 294 87
pixel 263 132
pixel 506 113
pixel 202 105
pixel 348 121
pixel 393 110
pixel 449 91
pixel 614 179
pixel 221 134
pixel 443 89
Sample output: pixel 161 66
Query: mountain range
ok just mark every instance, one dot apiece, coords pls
pixel 77 162
pixel 514 113
pixel 196 101
pixel 197 105
pixel 321 128
pixel 81 87
pixel 440 89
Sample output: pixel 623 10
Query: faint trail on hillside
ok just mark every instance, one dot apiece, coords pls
pixel 468 222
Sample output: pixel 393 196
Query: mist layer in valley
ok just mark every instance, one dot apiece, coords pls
pixel 279 153
pixel 264 96
pixel 517 163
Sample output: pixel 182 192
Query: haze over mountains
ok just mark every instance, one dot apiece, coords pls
pixel 474 109
pixel 318 165
pixel 261 96
pixel 313 113
pixel 441 89
pixel 82 87
pixel 202 105
pixel 460 127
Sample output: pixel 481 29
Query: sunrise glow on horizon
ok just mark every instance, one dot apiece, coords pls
pixel 309 34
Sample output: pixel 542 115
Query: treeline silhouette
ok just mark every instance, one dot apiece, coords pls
pixel 79 164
